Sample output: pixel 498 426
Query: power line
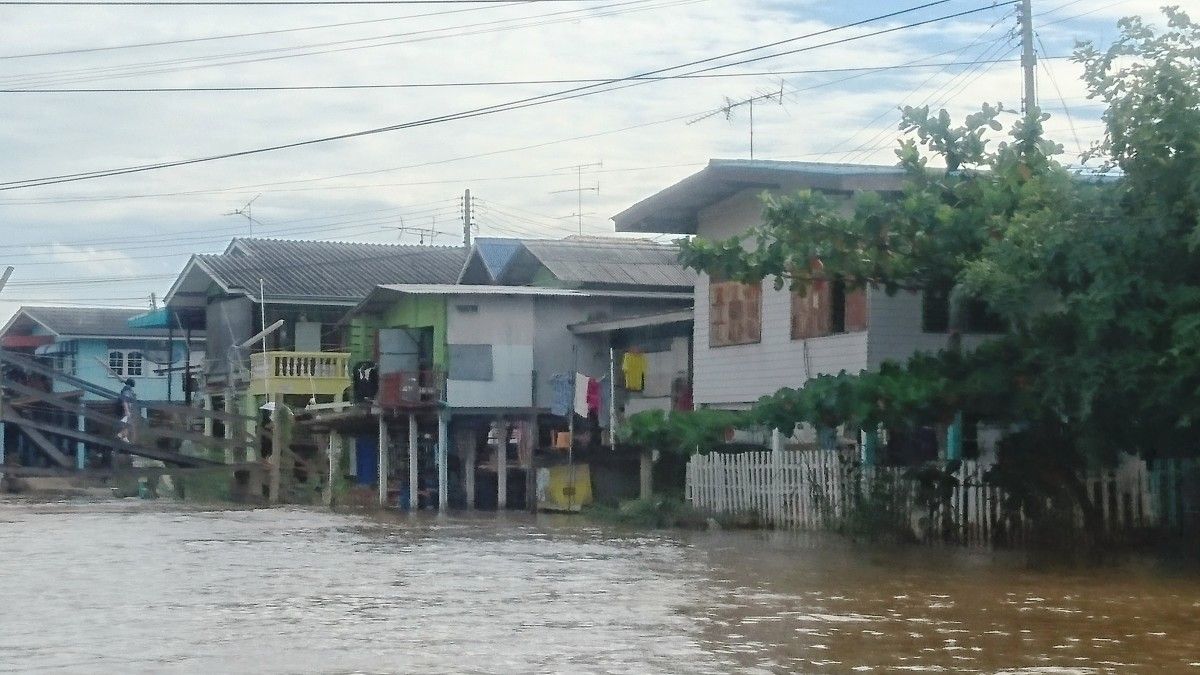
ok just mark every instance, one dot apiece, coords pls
pixel 248 3
pixel 489 83
pixel 261 33
pixel 585 90
pixel 48 78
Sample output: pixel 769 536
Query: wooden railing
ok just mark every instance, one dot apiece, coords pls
pixel 299 373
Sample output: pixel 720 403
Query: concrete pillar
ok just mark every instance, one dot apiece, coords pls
pixel 385 443
pixel 954 438
pixel 466 448
pixel 3 443
pixel 230 427
pixel 253 444
pixel 869 447
pixel 208 421
pixel 645 475
pixel 443 454
pixel 414 484
pixel 501 465
pixel 530 440
pixel 80 447
pixel 335 459
pixel 277 443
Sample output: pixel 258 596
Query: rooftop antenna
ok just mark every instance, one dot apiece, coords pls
pixel 731 105
pixel 246 212
pixel 4 278
pixel 579 189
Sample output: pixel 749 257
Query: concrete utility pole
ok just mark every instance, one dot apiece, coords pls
pixel 466 210
pixel 1028 57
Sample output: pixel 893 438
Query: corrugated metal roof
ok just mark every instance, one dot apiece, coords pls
pixel 496 253
pixel 609 325
pixel 676 208
pixel 328 271
pixel 541 291
pixel 86 321
pixel 612 262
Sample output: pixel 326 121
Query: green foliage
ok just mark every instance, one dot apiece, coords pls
pixel 656 512
pixel 683 432
pixel 1098 279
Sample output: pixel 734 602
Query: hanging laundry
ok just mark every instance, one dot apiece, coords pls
pixel 581 394
pixel 593 395
pixel 633 365
pixel 561 387
pixel 606 401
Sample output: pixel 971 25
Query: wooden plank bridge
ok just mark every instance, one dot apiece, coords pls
pixel 49 420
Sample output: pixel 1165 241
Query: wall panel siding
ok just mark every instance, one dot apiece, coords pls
pixel 507 324
pixel 738 375
pixel 895 332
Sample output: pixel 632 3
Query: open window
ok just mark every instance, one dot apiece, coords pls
pixel 828 308
pixel 977 317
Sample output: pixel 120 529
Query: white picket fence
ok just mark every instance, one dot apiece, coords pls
pixel 817 490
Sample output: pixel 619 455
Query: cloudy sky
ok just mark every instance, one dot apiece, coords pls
pixel 115 240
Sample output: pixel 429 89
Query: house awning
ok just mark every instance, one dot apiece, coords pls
pixel 155 318
pixel 166 318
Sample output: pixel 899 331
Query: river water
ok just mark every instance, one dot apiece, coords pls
pixel 138 587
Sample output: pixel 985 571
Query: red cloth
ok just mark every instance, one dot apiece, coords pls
pixel 593 395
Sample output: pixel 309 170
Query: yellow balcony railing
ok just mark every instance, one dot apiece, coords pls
pixel 313 373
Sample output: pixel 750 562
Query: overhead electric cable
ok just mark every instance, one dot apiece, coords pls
pixel 576 92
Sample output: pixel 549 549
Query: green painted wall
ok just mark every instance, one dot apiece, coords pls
pixel 411 311
pixel 421 311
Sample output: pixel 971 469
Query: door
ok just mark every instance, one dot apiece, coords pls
pixel 366 453
pixel 399 350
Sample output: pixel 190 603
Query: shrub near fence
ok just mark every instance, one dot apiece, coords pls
pixel 819 490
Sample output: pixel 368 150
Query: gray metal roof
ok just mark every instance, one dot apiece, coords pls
pixel 338 272
pixel 610 262
pixel 68 322
pixel 645 320
pixel 676 208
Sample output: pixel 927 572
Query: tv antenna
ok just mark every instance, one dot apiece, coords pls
pixel 246 213
pixel 579 189
pixel 731 105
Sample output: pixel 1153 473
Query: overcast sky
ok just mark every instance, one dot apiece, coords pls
pixel 115 240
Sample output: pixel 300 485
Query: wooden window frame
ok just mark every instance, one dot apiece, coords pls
pixel 841 311
pixel 734 322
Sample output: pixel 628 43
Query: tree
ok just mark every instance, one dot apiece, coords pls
pixel 1096 276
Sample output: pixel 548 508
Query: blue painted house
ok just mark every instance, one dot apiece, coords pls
pixel 89 341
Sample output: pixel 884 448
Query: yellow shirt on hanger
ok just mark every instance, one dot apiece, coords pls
pixel 633 365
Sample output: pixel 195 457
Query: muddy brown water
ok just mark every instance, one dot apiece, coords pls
pixel 137 587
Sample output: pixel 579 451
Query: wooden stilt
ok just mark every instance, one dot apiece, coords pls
pixel 646 476
pixel 469 462
pixel 229 429
pixel 277 442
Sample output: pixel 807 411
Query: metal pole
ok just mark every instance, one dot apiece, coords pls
pixel 273 480
pixel 612 398
pixel 1028 57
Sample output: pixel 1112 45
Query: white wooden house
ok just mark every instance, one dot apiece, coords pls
pixel 752 340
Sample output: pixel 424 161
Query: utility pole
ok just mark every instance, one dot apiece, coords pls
pixel 1028 57
pixel 579 190
pixel 466 211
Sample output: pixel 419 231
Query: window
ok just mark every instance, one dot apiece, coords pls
pixel 828 309
pixel 127 362
pixel 977 317
pixel 735 313
pixel 470 363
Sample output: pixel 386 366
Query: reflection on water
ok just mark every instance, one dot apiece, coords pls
pixel 136 587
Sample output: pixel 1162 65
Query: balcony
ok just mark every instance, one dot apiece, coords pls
pixel 409 390
pixel 299 373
